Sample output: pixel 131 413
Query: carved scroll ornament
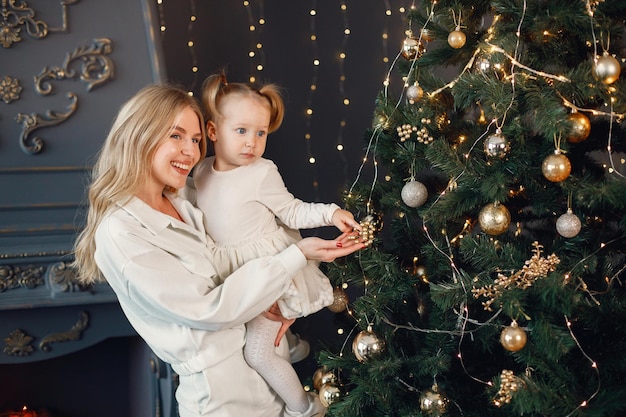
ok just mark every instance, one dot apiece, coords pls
pixel 34 121
pixel 15 15
pixel 95 69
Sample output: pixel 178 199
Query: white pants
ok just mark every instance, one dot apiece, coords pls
pixel 229 389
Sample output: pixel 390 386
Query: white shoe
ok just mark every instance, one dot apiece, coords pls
pixel 316 408
pixel 299 350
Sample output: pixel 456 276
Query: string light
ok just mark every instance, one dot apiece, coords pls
pixel 191 44
pixel 308 112
pixel 342 81
pixel 256 54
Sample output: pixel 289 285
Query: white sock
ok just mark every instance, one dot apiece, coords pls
pixel 260 354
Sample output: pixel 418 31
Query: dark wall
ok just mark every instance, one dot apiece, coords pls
pixel 222 39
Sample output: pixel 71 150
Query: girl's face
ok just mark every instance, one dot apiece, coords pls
pixel 175 157
pixel 240 136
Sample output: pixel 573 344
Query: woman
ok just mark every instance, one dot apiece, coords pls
pixel 151 247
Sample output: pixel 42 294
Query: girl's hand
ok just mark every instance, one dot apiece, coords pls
pixel 316 249
pixel 274 314
pixel 344 221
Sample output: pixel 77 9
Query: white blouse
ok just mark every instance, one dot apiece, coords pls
pixel 163 274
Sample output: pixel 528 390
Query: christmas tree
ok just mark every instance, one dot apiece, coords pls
pixel 496 206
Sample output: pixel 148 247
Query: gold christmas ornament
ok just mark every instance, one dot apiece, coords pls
pixel 580 127
pixel 329 394
pixel 366 345
pixel 509 384
pixel 368 227
pixel 496 146
pixel 340 301
pixel 323 377
pixel 427 35
pixel 412 48
pixel 433 402
pixel 494 219
pixel 536 267
pixel 513 338
pixel 414 193
pixel 568 225
pixel 607 68
pixel 556 167
pixel 456 38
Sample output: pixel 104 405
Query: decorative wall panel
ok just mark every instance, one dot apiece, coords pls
pixel 66 66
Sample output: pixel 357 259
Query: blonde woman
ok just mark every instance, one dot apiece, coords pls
pixel 150 245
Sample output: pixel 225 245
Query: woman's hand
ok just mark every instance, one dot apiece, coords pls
pixel 274 314
pixel 317 249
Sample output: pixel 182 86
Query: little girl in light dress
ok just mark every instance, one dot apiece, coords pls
pixel 250 213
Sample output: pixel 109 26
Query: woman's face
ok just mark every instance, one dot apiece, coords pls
pixel 175 157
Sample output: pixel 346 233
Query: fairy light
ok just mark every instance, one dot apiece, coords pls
pixel 308 112
pixel 593 365
pixel 342 80
pixel 162 26
pixel 191 45
pixel 255 27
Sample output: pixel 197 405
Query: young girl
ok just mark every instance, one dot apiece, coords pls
pixel 242 194
pixel 152 248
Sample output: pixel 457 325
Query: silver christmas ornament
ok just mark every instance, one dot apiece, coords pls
pixel 329 394
pixel 414 93
pixel 414 193
pixel 433 402
pixel 367 345
pixel 496 146
pixel 568 225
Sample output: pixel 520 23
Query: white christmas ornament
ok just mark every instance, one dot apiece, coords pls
pixel 414 193
pixel 568 224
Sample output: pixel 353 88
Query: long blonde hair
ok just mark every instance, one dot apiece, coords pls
pixel 125 160
pixel 215 89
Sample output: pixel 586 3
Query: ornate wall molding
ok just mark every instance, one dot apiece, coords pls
pixel 95 68
pixel 19 343
pixel 10 89
pixel 16 15
pixel 32 122
pixel 21 276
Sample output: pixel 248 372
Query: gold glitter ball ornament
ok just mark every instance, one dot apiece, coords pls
pixel 366 345
pixel 556 167
pixel 456 39
pixel 513 338
pixel 494 219
pixel 607 68
pixel 340 301
pixel 580 127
